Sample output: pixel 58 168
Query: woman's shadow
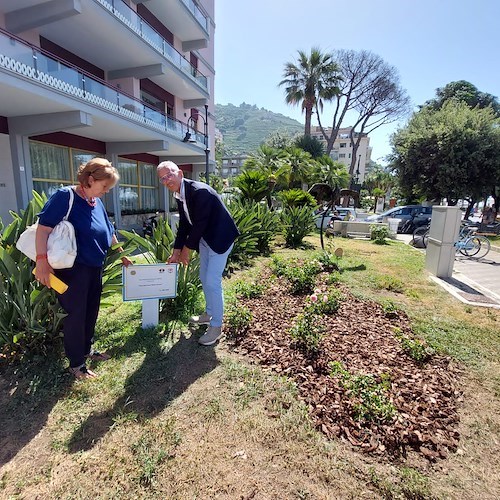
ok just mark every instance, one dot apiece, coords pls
pixel 28 392
pixel 165 373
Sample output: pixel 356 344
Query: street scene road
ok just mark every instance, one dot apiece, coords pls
pixel 474 281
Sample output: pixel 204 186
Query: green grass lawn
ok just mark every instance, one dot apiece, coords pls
pixel 169 419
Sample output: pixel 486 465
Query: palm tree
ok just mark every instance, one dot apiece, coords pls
pixel 300 165
pixel 311 81
pixel 332 173
pixel 269 161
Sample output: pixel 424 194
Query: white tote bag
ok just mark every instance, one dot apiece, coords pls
pixel 61 245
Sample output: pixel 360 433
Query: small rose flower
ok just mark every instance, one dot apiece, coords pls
pixel 314 297
pixel 325 298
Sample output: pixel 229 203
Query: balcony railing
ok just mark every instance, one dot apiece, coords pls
pixel 197 13
pixel 35 64
pixel 127 16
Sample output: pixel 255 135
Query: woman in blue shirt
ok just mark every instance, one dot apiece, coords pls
pixel 94 236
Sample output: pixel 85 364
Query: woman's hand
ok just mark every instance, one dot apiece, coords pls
pixel 43 271
pixel 43 268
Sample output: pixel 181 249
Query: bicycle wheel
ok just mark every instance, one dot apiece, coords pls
pixel 425 238
pixel 475 246
pixel 420 237
pixel 482 244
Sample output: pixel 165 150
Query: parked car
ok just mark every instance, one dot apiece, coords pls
pixel 340 213
pixel 403 213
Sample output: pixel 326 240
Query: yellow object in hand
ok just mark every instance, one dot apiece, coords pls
pixel 55 283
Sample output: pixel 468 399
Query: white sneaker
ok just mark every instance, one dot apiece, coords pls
pixel 211 336
pixel 202 319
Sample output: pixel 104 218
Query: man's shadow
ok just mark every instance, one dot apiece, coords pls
pixel 165 373
pixel 28 392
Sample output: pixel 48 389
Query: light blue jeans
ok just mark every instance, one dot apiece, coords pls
pixel 212 266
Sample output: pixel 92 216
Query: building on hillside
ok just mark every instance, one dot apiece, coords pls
pixel 121 79
pixel 232 165
pixel 342 150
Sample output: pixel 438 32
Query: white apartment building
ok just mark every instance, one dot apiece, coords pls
pixel 232 166
pixel 121 79
pixel 343 151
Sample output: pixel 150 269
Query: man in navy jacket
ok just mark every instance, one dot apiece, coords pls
pixel 205 225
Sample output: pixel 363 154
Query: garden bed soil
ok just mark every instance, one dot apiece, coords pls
pixel 361 336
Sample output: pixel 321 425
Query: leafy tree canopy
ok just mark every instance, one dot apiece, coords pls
pixel 452 152
pixel 463 91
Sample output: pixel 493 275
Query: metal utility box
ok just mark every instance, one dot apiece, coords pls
pixel 443 233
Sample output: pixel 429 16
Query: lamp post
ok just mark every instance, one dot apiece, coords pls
pixel 187 138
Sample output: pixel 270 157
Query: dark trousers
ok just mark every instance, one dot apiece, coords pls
pixel 81 302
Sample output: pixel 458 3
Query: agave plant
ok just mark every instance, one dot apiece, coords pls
pixel 30 315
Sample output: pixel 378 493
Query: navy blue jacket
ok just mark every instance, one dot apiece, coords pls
pixel 210 217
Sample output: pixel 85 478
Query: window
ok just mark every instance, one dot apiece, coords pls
pixel 342 155
pixel 343 144
pixel 138 186
pixel 55 166
pixel 153 101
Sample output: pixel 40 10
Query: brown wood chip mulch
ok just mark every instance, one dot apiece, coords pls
pixel 362 337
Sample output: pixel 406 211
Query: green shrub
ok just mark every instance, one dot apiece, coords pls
pixel 324 303
pixel 253 185
pixel 246 245
pixel 297 198
pixel 278 265
pixel 248 290
pixel 379 233
pixel 265 224
pixel 237 319
pixel 417 349
pixel 307 331
pixel 327 259
pixel 371 400
pixel 296 224
pixel 301 276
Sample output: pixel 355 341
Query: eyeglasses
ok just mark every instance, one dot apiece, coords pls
pixel 166 177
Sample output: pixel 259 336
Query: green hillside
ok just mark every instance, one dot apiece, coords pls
pixel 246 126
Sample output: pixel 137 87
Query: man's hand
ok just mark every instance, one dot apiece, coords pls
pixel 175 257
pixel 185 255
pixel 126 261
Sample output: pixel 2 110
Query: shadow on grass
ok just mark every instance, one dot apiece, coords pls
pixel 358 267
pixel 166 372
pixel 28 392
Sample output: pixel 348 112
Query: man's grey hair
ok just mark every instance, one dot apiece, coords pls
pixel 167 164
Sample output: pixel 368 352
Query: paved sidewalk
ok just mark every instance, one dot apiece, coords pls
pixel 474 281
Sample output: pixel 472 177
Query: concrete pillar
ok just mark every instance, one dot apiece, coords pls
pixel 443 233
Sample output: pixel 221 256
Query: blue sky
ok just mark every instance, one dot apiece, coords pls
pixel 429 42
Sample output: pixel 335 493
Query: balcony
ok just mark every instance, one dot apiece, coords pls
pixel 182 17
pixel 34 82
pixel 118 41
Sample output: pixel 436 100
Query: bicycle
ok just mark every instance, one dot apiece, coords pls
pixel 471 244
pixel 421 236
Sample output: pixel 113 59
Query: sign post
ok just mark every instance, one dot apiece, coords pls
pixel 150 283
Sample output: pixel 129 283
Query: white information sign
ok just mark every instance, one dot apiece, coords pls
pixel 149 281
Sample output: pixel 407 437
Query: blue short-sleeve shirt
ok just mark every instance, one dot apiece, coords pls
pixel 93 229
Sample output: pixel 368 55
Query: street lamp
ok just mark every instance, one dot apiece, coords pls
pixel 187 138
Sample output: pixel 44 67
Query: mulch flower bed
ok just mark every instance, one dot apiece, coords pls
pixel 361 336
